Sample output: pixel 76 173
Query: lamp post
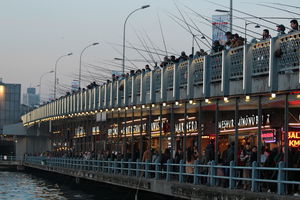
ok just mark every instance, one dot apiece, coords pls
pixel 246 24
pixel 79 78
pixel 123 63
pixel 55 71
pixel 229 13
pixel 40 85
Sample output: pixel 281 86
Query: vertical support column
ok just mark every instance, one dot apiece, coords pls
pixel 113 140
pixel 141 135
pixel 119 131
pixel 149 126
pixel 125 134
pixel 200 131
pixel 132 135
pixel 184 129
pixel 259 130
pixel 217 132
pixel 236 130
pixel 172 132
pixel 160 130
pixel 286 129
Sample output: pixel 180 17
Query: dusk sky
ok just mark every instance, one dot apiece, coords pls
pixel 34 33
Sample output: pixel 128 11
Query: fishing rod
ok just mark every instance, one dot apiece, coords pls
pixel 173 18
pixel 138 51
pixel 144 44
pixel 245 13
pixel 162 34
pixel 190 30
pixel 286 5
pixel 210 23
pixel 281 9
pixel 138 48
pixel 153 45
pixel 203 34
pixel 120 53
pixel 117 65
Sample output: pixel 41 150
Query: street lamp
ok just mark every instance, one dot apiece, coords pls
pixel 55 71
pixel 143 7
pixel 79 78
pixel 230 14
pixel 246 24
pixel 40 85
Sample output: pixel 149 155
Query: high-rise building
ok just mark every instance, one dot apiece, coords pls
pixel 10 101
pixel 31 99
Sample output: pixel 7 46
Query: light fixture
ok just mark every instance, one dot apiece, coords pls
pixel 143 106
pixel 176 103
pixel 106 109
pixel 101 110
pixel 164 104
pixel 247 98
pixel 119 109
pixel 112 109
pixel 226 99
pixel 273 95
pixel 153 105
pixel 126 108
pixel 191 101
pixel 206 100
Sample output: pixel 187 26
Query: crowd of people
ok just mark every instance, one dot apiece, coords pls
pixel 246 156
pixel 234 40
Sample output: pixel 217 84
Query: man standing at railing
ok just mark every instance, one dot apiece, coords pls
pixel 147 155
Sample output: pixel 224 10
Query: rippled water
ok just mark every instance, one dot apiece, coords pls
pixel 27 186
pixel 21 186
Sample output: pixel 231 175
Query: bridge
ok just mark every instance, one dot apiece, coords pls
pixel 246 96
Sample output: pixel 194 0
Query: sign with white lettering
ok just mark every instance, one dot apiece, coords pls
pixel 246 121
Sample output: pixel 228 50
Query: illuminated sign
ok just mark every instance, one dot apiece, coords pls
pixel 294 138
pixel 246 121
pixel 268 135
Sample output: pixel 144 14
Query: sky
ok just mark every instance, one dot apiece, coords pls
pixel 35 33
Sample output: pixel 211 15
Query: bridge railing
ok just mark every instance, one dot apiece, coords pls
pixel 10 158
pixel 255 178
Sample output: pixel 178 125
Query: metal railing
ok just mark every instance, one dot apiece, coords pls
pixel 211 174
pixel 9 158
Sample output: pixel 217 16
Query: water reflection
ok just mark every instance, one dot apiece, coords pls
pixel 38 186
pixel 21 186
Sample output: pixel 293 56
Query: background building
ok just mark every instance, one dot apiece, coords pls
pixel 31 99
pixel 10 98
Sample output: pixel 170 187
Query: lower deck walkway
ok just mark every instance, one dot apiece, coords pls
pixel 169 180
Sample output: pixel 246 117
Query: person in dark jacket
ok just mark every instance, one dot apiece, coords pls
pixel 210 151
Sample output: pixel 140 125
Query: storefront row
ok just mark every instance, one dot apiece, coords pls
pixel 174 128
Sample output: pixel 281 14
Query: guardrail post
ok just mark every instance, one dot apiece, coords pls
pixel 147 169
pixel 280 178
pixel 129 167
pixel 212 173
pixel 231 175
pixel 109 166
pixel 157 169
pixel 115 166
pixel 254 177
pixel 196 172
pixel 168 176
pixel 122 166
pixel 137 166
pixel 181 170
